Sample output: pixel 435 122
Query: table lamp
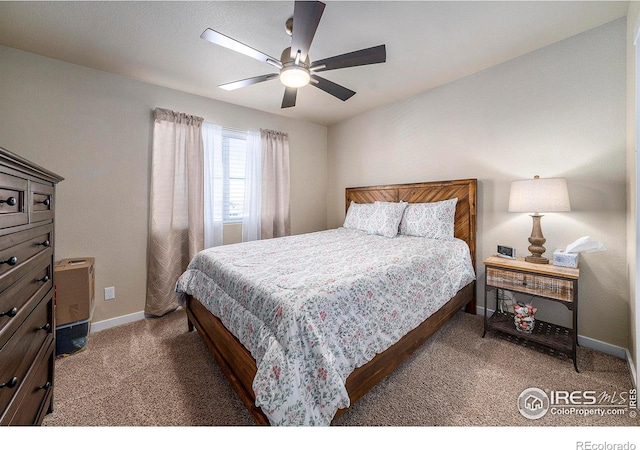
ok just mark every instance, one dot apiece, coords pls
pixel 540 195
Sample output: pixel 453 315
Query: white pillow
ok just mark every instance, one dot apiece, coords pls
pixel 386 218
pixel 358 216
pixel 431 220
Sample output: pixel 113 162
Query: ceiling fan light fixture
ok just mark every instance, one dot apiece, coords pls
pixel 294 76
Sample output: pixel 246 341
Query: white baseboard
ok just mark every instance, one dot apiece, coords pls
pixel 603 347
pixel 632 369
pixel 110 323
pixel 587 342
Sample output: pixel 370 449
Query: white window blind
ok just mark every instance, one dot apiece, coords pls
pixel 234 148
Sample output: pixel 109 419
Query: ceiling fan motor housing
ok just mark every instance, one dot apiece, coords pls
pixel 287 60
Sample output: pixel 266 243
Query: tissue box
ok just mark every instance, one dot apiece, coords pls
pixel 564 259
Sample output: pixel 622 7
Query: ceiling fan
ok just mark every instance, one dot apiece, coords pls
pixel 295 68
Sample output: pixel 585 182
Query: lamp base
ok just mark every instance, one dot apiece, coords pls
pixel 536 259
pixel 537 241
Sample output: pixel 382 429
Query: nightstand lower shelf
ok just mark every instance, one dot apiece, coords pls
pixel 544 333
pixel 518 276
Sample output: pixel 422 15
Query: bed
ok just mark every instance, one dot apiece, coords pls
pixel 305 325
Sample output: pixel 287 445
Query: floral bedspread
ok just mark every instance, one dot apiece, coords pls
pixel 311 308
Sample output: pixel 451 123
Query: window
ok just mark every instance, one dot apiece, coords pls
pixel 232 181
pixel 231 177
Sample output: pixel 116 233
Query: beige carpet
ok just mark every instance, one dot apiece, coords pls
pixel 154 373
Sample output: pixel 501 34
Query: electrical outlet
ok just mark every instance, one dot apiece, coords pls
pixel 109 293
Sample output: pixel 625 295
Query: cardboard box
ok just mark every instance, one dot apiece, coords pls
pixel 564 259
pixel 74 280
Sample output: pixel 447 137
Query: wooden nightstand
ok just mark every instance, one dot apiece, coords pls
pixel 541 280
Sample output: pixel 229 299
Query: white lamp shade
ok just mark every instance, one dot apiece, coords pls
pixel 539 195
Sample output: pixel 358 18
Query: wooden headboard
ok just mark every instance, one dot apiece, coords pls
pixel 432 191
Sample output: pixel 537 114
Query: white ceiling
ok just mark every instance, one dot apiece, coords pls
pixel 428 43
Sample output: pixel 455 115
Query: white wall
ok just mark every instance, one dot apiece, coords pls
pixel 94 129
pixel 559 111
pixel 556 112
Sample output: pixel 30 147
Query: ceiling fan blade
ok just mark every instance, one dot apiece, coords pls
pixel 225 41
pixel 332 88
pixel 289 98
pixel 248 82
pixel 306 17
pixel 372 55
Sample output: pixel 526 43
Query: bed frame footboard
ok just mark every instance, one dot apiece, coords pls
pixel 240 368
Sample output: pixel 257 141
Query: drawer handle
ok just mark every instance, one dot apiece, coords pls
pixel 45 327
pixel 47 385
pixel 11 201
pixel 45 202
pixel 45 243
pixel 11 261
pixel 11 313
pixel 44 279
pixel 10 384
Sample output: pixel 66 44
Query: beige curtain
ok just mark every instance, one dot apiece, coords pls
pixel 275 215
pixel 176 231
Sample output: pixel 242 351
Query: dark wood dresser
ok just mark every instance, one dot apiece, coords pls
pixel 27 328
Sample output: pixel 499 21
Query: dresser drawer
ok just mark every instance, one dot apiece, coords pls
pixel 13 192
pixel 41 201
pixel 36 393
pixel 18 252
pixel 528 283
pixel 17 300
pixel 19 353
